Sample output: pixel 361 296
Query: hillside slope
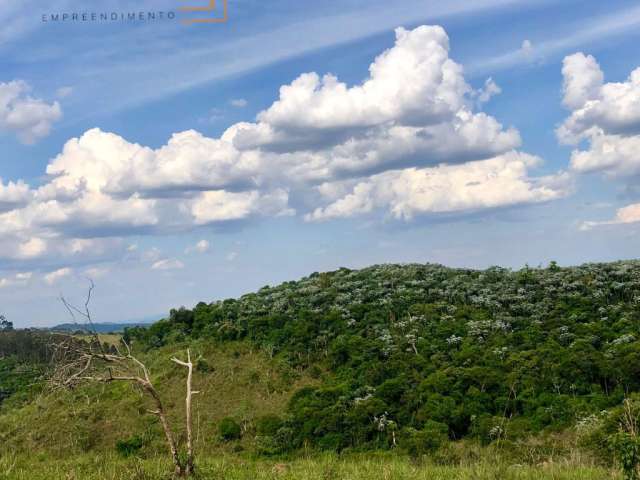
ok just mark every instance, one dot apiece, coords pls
pixel 401 357
pixel 234 380
pixel 425 350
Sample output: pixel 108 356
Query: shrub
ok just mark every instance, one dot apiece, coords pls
pixel 228 429
pixel 130 446
pixel 203 366
pixel 425 441
pixel 268 425
pixel 626 448
pixel 279 442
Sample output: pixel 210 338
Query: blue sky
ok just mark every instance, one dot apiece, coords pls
pixel 423 159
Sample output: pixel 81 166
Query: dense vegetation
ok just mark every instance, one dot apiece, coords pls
pixel 485 370
pixel 24 356
pixel 414 354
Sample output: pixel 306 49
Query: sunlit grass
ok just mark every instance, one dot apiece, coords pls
pixel 320 467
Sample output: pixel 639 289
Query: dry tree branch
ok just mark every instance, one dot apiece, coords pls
pixel 78 361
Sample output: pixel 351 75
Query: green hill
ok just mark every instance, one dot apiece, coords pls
pixel 451 365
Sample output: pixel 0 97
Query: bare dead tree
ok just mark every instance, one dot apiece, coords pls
pixel 190 393
pixel 77 361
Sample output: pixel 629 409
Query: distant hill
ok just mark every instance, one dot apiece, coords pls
pixel 106 327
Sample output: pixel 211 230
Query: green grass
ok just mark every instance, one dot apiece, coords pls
pixel 323 467
pixel 242 383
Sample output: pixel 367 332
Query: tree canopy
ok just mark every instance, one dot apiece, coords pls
pixel 405 349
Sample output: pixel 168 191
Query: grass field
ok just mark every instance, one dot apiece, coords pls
pixel 241 383
pixel 324 467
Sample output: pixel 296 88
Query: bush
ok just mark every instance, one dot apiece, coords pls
pixel 425 441
pixel 203 366
pixel 268 425
pixel 279 442
pixel 228 429
pixel 626 448
pixel 130 446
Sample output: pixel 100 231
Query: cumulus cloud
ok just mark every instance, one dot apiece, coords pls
pixel 582 80
pixel 606 115
pixel 20 279
pixel 414 93
pixel 489 89
pixel 31 248
pixel 597 107
pixel 219 206
pixel 615 155
pixel 486 184
pixel 20 250
pixel 29 118
pixel 13 194
pixel 190 162
pixel 624 215
pixel 56 275
pixel 413 122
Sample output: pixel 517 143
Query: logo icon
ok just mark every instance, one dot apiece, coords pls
pixel 209 9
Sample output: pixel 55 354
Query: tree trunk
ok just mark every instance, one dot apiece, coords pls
pixel 168 433
pixel 189 467
pixel 190 464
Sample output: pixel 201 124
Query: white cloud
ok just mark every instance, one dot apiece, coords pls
pixel 582 80
pixel 413 110
pixel 33 247
pixel 607 115
pixel 201 246
pixel 53 277
pixel 231 256
pixel 411 120
pixel 220 206
pixel 287 38
pixel 624 215
pixel 498 182
pixel 239 102
pixel 19 249
pixel 489 89
pixel 13 194
pixel 20 279
pixel 28 117
pixel 615 155
pixel 168 264
pixel 109 164
pixel 413 83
